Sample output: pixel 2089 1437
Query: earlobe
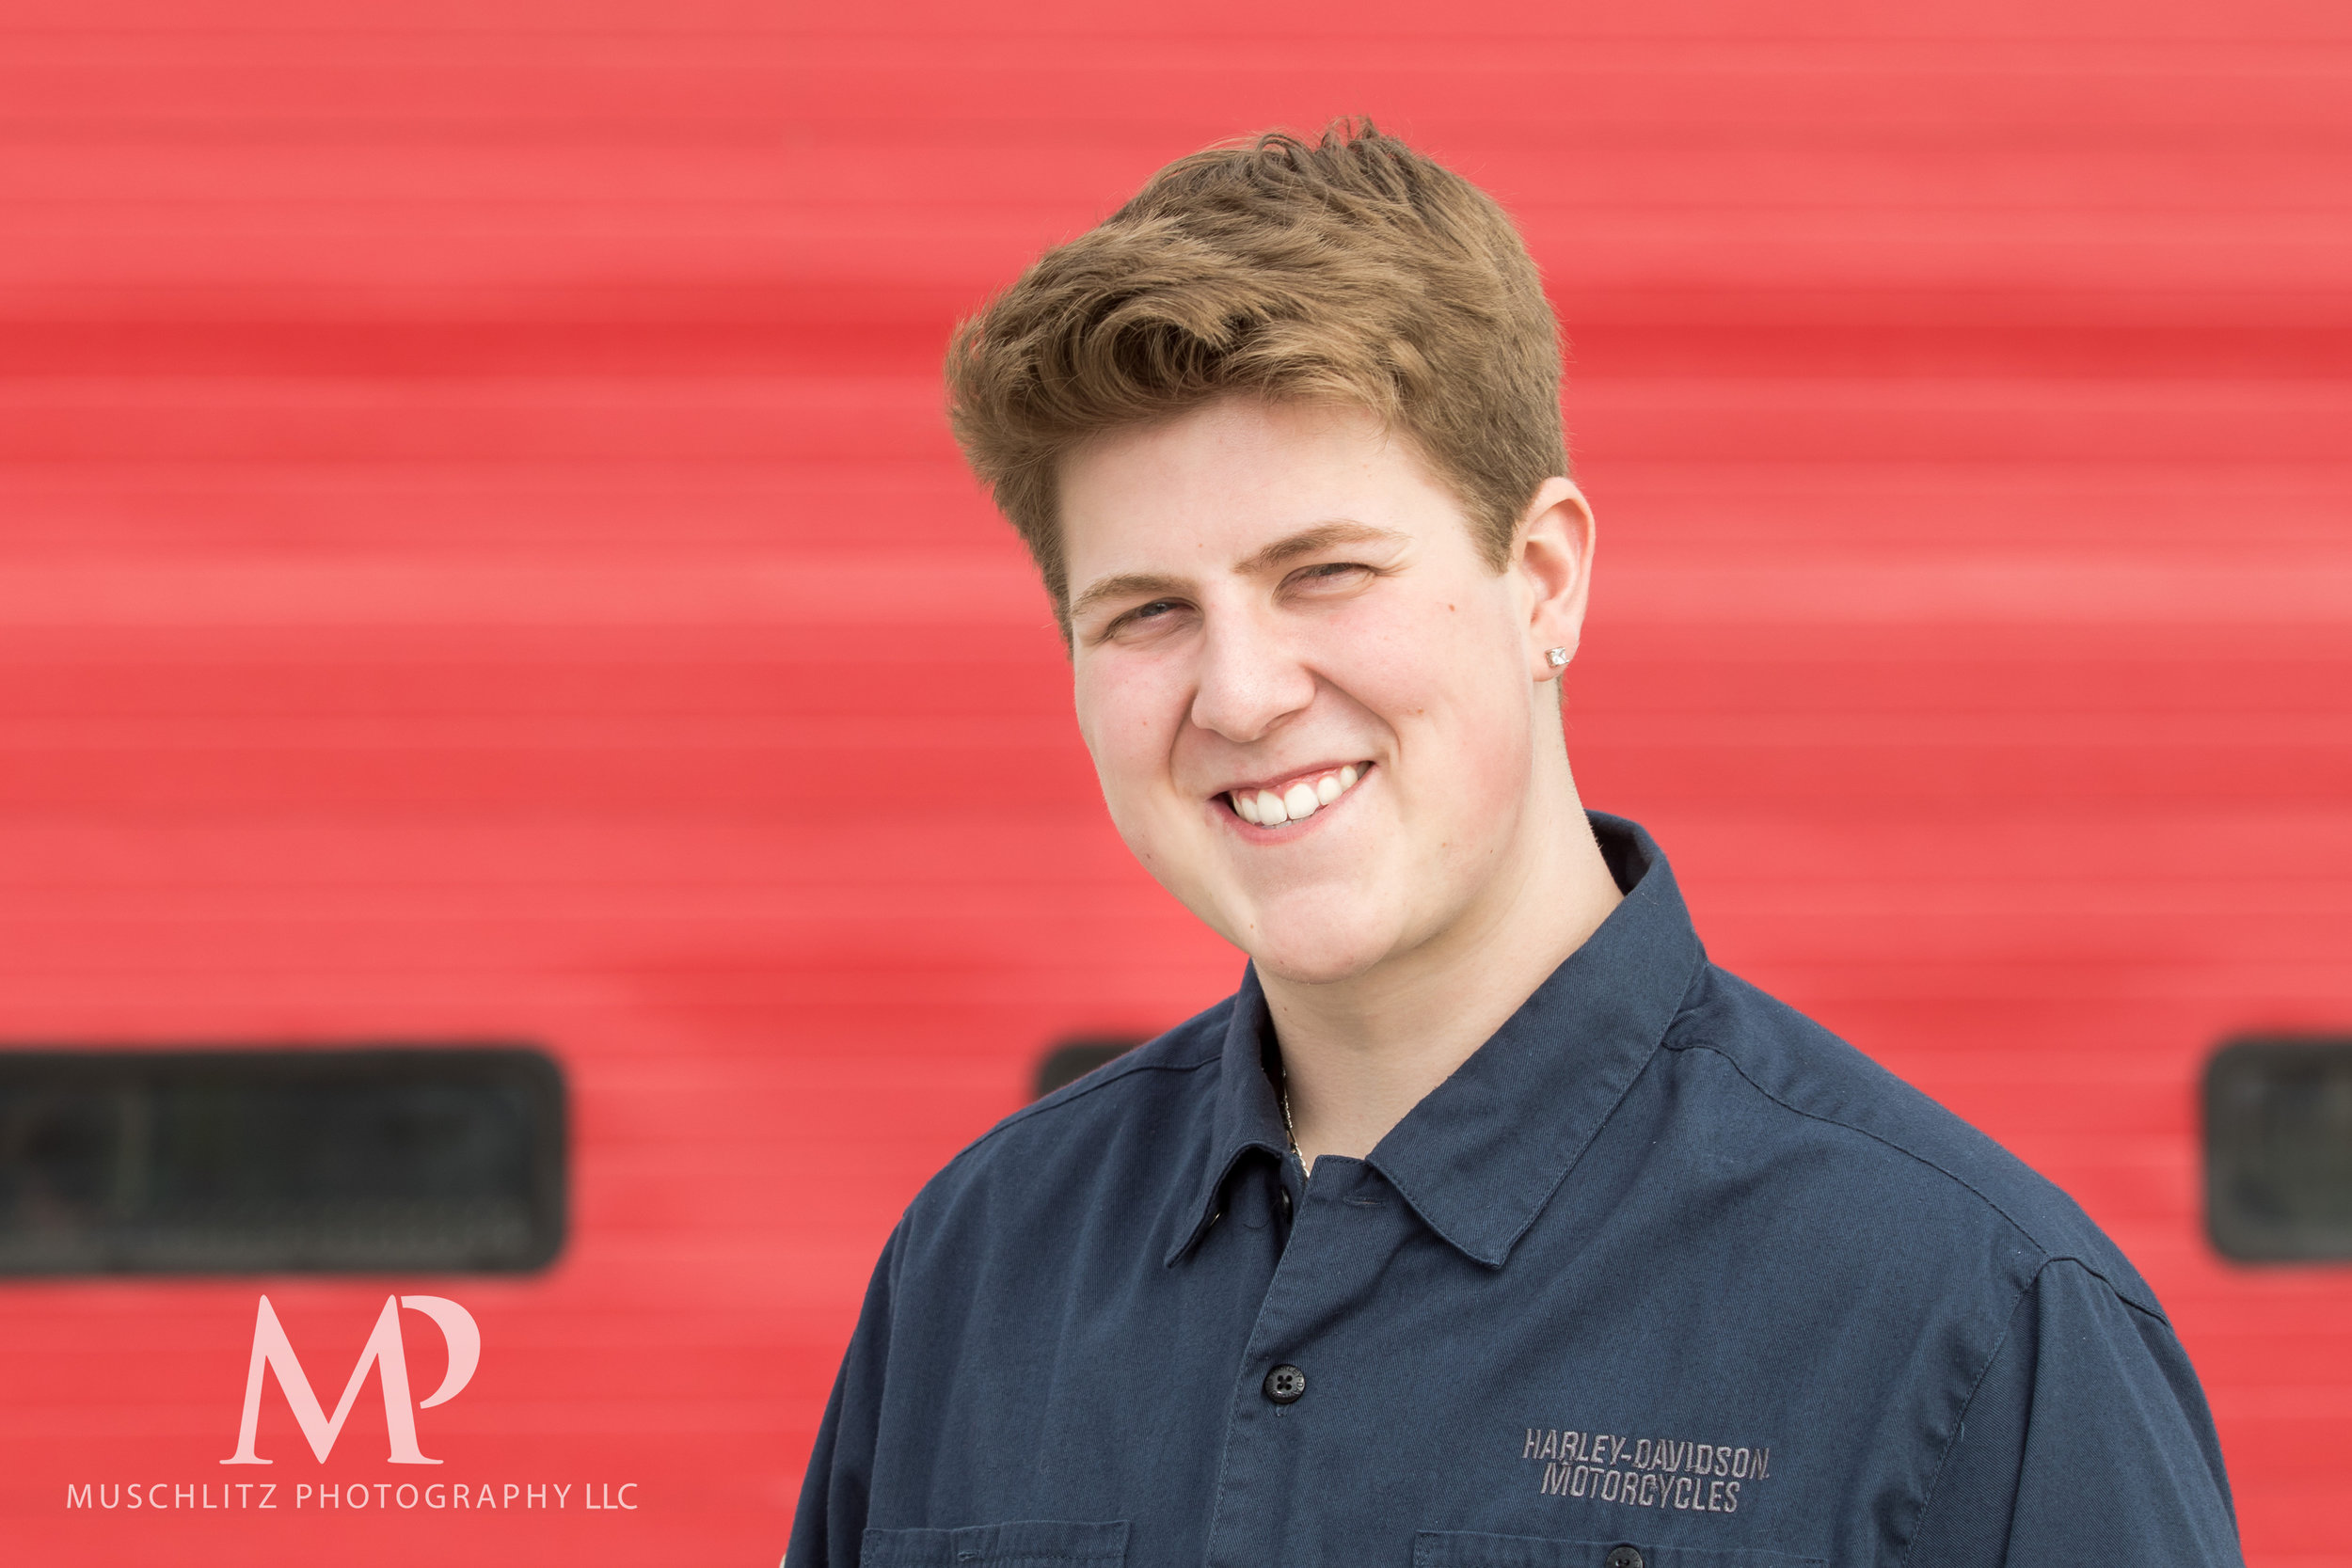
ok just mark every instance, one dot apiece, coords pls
pixel 1554 560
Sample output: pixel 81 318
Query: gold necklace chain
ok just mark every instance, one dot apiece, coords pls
pixel 1282 1093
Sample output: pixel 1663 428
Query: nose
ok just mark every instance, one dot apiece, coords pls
pixel 1248 683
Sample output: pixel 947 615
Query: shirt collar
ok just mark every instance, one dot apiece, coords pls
pixel 1247 1115
pixel 1480 1156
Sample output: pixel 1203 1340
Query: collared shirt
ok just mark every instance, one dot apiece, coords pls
pixel 1664 1275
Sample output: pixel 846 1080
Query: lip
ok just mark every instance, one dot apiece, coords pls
pixel 1280 781
pixel 1221 803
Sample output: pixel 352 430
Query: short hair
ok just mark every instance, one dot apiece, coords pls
pixel 1351 269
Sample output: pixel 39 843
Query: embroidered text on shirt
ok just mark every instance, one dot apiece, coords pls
pixel 1646 1472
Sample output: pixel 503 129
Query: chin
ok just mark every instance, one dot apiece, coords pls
pixel 1316 952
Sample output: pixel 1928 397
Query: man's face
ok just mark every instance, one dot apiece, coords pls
pixel 1279 613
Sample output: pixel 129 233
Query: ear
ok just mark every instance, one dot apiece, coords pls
pixel 1553 561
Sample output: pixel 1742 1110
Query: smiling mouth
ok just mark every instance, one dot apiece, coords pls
pixel 1295 799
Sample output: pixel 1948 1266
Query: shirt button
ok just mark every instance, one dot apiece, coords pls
pixel 1624 1556
pixel 1286 1382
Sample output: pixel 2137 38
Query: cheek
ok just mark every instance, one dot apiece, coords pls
pixel 1447 665
pixel 1128 714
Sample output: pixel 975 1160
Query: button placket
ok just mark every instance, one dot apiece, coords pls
pixel 1327 1274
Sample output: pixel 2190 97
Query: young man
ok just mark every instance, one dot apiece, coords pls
pixel 1487 1224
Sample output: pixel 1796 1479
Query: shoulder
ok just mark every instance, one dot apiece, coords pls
pixel 1120 1087
pixel 1875 1148
pixel 1110 1141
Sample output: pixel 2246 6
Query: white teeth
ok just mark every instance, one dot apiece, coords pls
pixel 1302 800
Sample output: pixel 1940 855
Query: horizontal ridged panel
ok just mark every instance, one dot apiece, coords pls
pixel 479 555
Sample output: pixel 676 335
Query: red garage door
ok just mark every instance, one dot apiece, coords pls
pixel 480 561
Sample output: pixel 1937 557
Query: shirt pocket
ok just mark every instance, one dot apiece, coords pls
pixel 1026 1544
pixel 1469 1549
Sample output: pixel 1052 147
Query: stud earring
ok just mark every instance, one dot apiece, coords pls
pixel 1559 657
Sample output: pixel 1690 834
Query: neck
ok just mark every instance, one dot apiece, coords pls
pixel 1358 1054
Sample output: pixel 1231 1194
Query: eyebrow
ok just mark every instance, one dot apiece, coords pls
pixel 1280 553
pixel 1320 537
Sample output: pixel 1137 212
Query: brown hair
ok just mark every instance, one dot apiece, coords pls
pixel 1352 269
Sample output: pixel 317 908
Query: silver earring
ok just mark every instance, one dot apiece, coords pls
pixel 1558 656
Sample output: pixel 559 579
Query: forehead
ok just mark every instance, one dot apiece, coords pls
pixel 1210 487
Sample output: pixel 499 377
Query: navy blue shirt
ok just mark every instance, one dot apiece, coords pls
pixel 1664 1275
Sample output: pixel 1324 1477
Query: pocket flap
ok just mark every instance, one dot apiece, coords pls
pixel 1058 1543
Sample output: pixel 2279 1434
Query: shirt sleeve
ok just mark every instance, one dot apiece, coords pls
pixel 830 1521
pixel 2086 1441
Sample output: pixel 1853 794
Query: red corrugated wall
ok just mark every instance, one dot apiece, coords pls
pixel 479 556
